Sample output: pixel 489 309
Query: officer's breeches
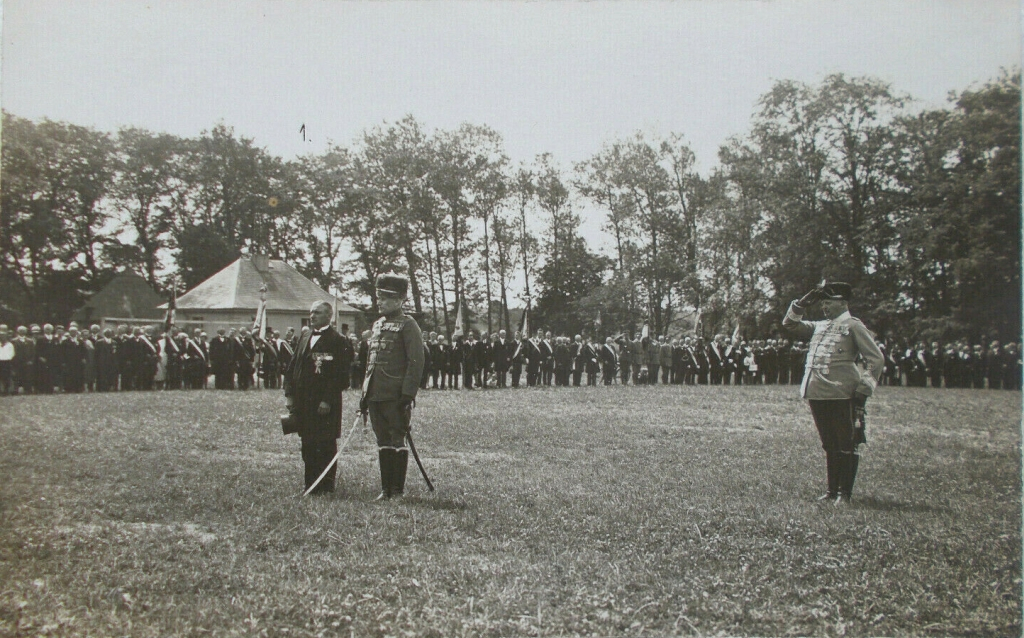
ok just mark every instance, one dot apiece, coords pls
pixel 389 423
pixel 834 421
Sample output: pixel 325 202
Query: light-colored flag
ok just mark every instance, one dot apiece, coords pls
pixel 597 322
pixel 526 321
pixel 696 324
pixel 646 332
pixel 736 333
pixel 458 323
pixel 259 325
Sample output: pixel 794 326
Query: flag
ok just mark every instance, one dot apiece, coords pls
pixel 696 324
pixel 646 332
pixel 171 307
pixel 458 323
pixel 525 328
pixel 597 322
pixel 736 333
pixel 259 324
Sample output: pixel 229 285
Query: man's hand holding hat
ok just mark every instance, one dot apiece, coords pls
pixel 810 298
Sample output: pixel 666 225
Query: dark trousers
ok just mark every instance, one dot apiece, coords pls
pixel 6 368
pixel 316 454
pixel 834 422
pixel 652 374
pixel 577 377
pixel 532 372
pixel 517 373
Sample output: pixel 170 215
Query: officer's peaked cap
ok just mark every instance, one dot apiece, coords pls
pixel 394 284
pixel 838 291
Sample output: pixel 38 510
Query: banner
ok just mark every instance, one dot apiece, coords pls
pixel 458 323
pixel 171 307
pixel 259 324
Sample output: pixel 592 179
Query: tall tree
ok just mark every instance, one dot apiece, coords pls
pixel 821 166
pixel 148 174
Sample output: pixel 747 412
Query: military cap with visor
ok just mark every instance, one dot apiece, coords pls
pixel 837 291
pixel 393 284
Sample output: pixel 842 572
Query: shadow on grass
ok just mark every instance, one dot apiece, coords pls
pixel 890 505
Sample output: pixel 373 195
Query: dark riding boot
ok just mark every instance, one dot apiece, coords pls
pixel 832 476
pixel 400 463
pixel 851 473
pixel 386 470
pixel 845 472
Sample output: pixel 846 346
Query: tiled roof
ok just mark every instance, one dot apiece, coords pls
pixel 237 286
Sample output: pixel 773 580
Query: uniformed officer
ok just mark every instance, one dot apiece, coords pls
pixel 393 372
pixel 834 384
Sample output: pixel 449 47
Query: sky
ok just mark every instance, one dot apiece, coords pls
pixel 561 77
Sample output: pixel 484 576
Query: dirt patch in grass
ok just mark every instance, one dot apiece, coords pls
pixel 559 511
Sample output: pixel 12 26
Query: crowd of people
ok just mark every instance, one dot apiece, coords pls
pixel 48 358
pixel 633 359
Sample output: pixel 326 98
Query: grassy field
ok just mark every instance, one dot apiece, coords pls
pixel 602 511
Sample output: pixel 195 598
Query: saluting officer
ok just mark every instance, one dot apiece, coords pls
pixel 835 386
pixel 393 372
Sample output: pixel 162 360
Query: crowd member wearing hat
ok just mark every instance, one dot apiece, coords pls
pixel 835 386
pixel 393 372
pixel 313 383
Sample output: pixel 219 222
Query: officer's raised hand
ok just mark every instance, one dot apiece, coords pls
pixel 811 297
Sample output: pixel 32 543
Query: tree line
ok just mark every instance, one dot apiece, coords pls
pixel 843 180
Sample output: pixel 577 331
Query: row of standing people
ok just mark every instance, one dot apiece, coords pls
pixel 46 359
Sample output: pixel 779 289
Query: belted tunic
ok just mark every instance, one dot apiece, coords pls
pixel 395 359
pixel 842 357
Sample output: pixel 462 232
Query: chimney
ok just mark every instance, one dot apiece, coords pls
pixel 261 262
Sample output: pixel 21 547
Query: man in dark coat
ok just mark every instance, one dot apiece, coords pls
pixel 392 380
pixel 579 361
pixel 609 361
pixel 47 359
pixel 534 358
pixel 313 384
pixel 501 355
pixel 74 355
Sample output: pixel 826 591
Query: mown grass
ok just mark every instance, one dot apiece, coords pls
pixel 603 511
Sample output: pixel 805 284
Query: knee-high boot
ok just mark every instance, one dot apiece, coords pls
pixel 386 471
pixel 832 476
pixel 845 473
pixel 851 473
pixel 400 463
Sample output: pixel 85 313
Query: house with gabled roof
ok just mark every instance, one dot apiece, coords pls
pixel 229 298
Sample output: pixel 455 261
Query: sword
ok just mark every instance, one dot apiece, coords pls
pixel 337 455
pixel 415 455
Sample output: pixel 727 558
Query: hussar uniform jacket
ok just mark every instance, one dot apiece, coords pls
pixel 395 359
pixel 842 357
